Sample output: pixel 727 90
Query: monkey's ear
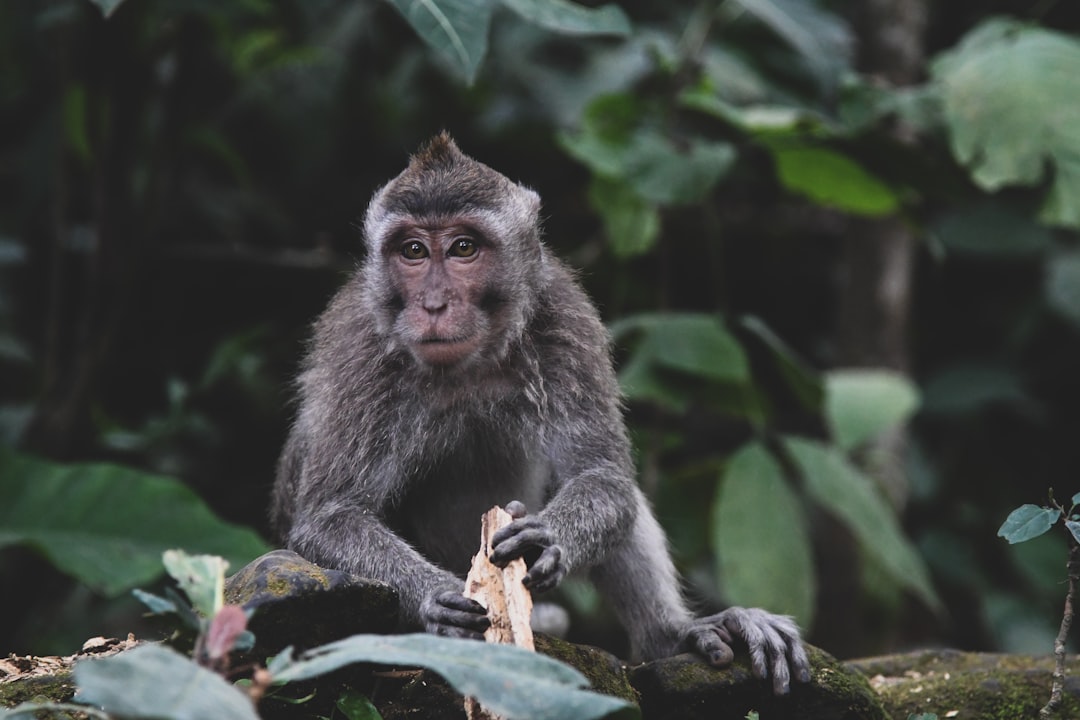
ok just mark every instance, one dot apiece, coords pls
pixel 530 199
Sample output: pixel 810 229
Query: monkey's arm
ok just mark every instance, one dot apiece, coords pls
pixel 357 541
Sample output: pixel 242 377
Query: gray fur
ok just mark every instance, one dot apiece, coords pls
pixel 390 463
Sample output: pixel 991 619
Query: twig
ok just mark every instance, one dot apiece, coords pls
pixel 1066 622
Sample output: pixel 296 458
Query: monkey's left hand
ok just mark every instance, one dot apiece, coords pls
pixel 531 538
pixel 773 640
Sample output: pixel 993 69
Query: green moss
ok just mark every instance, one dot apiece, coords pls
pixel 979 686
pixel 56 688
pixel 605 672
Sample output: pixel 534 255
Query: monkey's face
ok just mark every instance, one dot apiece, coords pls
pixel 444 292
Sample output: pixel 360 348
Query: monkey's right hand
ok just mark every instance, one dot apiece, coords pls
pixel 531 538
pixel 451 614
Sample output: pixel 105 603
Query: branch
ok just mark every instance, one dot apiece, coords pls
pixel 1066 622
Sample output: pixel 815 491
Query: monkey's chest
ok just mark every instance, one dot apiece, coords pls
pixel 441 514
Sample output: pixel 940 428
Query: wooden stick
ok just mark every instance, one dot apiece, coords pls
pixel 500 590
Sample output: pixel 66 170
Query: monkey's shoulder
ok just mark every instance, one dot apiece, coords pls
pixel 566 318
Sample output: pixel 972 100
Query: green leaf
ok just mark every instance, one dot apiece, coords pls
pixel 631 223
pixel 1074 528
pixel 640 380
pixel 507 680
pixel 668 174
pixel 760 539
pixel 615 142
pixel 201 577
pixel 696 344
pixel 155 681
pixel 759 120
pixel 355 706
pixel 848 494
pixel 157 604
pixel 114 523
pixel 832 180
pixel 457 29
pixel 1063 285
pixel 862 404
pixel 1010 101
pixel 823 40
pixel 1027 522
pixel 571 18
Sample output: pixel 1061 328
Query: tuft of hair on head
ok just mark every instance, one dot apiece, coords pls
pixel 439 150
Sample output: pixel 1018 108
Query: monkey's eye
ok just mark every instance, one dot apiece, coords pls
pixel 414 250
pixel 463 247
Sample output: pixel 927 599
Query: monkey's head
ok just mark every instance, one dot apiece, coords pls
pixel 454 258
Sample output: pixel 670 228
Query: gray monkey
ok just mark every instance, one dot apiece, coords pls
pixel 460 367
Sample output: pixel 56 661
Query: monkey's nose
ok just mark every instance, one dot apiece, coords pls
pixel 435 305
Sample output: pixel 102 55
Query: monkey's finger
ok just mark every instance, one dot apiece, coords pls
pixel 457 601
pixel 781 674
pixel 800 662
pixel 529 524
pixel 516 509
pixel 769 656
pixel 462 620
pixel 706 640
pixel 547 572
pixel 518 545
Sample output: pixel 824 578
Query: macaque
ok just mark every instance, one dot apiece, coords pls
pixel 462 366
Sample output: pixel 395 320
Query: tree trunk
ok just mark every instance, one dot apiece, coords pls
pixel 874 299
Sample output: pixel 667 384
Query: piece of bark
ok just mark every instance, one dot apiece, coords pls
pixel 501 592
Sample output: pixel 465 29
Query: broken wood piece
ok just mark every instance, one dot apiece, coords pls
pixel 502 593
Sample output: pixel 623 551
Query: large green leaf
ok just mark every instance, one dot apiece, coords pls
pixel 831 179
pixel 697 344
pixel 616 142
pixel 760 539
pixel 632 223
pixel 108 525
pixel 670 174
pixel 860 404
pixel 457 29
pixel 840 488
pixel 1012 106
pixel 507 680
pixel 155 681
pixel 822 38
pixel 567 17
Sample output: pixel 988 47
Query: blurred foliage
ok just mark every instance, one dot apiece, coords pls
pixel 180 183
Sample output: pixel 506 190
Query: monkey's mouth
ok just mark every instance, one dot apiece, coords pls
pixel 444 350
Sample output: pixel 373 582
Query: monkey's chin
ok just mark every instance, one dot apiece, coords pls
pixel 443 353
